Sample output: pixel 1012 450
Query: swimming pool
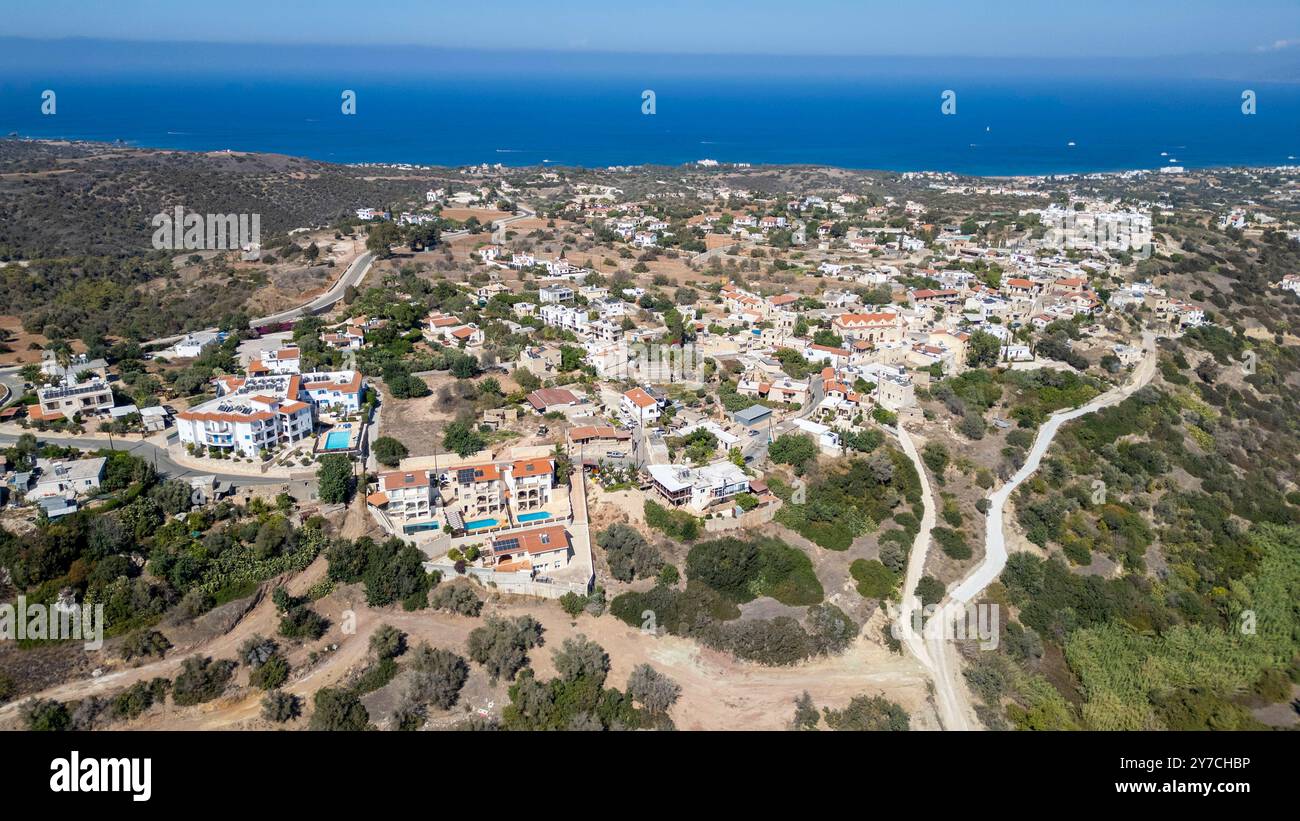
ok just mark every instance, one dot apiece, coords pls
pixel 533 517
pixel 338 440
pixel 479 524
pixel 421 527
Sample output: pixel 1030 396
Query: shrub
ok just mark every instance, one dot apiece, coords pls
pixel 952 543
pixel 875 580
pixel 389 451
pixel 303 623
pixel 437 677
pixel 339 710
pixel 652 689
pixel 629 555
pixel 387 642
pixel 201 679
pixel 144 644
pixel 930 590
pixel 868 713
pixel 456 598
pixel 334 478
pixel 279 706
pixel 45 715
pixel 676 524
pixel 502 645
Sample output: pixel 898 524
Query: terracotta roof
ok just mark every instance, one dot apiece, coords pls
pixel 483 473
pixel 531 467
pixel 399 479
pixel 199 416
pixel 866 319
pixel 830 349
pixel 351 386
pixel 640 398
pixel 585 432
pixel 378 499
pixel 513 566
pixel 41 414
pixel 545 397
pixel 533 542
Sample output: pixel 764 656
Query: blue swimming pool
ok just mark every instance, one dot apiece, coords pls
pixel 338 440
pixel 479 524
pixel 533 517
pixel 421 527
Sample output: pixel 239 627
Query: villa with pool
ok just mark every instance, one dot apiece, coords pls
pixel 470 499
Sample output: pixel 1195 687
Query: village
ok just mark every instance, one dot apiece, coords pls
pixel 620 362
pixel 518 370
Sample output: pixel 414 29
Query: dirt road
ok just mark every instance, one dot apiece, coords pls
pixel 939 653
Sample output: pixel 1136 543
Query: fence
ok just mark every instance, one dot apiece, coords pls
pixel 754 518
pixel 520 584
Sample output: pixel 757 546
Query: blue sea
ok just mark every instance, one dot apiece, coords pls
pixel 1001 126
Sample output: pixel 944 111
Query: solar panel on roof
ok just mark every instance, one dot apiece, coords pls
pixel 465 476
pixel 507 544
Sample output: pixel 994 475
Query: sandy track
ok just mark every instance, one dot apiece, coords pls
pixel 717 691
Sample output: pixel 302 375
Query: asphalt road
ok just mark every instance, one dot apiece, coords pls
pixel 352 276
pixel 148 451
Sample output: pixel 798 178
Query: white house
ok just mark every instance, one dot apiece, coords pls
pixel 698 489
pixel 639 406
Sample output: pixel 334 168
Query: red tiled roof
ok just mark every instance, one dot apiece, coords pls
pixel 399 479
pixel 533 542
pixel 640 398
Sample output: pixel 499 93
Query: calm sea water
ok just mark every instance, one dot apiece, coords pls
pixel 1001 127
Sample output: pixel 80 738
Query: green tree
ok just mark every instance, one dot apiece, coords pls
pixel 334 479
pixel 983 350
pixel 794 449
pixel 382 237
pixel 871 713
pixel 389 451
pixel 460 438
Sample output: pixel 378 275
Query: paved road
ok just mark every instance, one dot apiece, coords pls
pixel 11 384
pixel 351 277
pixel 150 452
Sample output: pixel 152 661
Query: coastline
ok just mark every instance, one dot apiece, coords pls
pixel 722 166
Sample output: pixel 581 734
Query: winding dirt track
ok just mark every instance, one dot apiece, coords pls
pixel 934 651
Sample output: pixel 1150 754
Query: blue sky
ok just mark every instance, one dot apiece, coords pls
pixel 1028 28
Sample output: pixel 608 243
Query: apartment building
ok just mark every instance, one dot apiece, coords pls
pixel 639 406
pixel 277 362
pixel 529 482
pixel 258 413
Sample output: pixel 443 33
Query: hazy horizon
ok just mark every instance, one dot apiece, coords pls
pixel 77 55
pixel 1009 28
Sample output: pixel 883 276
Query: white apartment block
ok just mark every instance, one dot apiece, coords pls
pixel 281 361
pixel 259 413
